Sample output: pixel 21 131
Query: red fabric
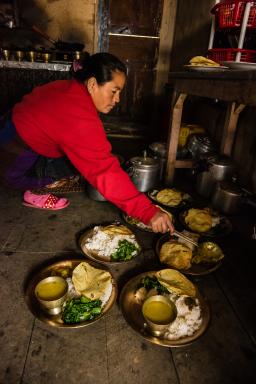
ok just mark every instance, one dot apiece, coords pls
pixel 59 119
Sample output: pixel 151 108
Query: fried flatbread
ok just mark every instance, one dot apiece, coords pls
pixel 91 282
pixel 199 220
pixel 170 197
pixel 175 282
pixel 117 230
pixel 201 60
pixel 176 255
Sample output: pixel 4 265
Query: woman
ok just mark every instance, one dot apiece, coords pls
pixel 60 120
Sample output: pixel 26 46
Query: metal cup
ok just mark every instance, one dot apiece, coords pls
pixel 53 307
pixel 158 328
pixel 6 54
pixel 31 55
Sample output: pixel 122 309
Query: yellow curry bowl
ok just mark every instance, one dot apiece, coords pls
pixel 51 293
pixel 159 312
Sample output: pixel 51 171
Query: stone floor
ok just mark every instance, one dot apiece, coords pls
pixel 109 351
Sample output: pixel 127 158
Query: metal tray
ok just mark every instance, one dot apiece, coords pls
pixel 195 269
pixel 94 255
pixel 55 269
pixel 222 229
pixel 132 313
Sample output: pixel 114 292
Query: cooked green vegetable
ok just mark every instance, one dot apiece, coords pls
pixel 152 283
pixel 125 251
pixel 81 309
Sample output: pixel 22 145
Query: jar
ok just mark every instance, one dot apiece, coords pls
pixel 144 172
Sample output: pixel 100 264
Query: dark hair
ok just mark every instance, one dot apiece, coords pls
pixel 100 65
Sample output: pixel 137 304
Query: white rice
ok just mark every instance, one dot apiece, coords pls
pixel 188 319
pixel 105 245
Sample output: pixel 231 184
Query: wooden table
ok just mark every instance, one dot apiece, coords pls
pixel 237 88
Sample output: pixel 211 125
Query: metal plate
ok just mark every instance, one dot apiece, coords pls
pixel 186 199
pixel 54 269
pixel 240 65
pixel 195 269
pixel 206 68
pixel 128 219
pixel 132 313
pixel 93 255
pixel 221 229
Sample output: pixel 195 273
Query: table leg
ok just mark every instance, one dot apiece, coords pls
pixel 172 143
pixel 230 125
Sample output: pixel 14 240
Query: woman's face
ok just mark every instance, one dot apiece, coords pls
pixel 106 96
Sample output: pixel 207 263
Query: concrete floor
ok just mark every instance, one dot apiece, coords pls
pixel 109 351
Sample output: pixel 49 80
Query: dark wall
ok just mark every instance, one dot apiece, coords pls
pixel 192 31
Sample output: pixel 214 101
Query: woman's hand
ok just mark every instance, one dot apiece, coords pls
pixel 161 222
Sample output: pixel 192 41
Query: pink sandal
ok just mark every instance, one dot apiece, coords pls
pixel 48 201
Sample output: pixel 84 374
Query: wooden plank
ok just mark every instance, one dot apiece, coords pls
pixel 241 91
pixel 186 163
pixel 172 142
pixel 230 125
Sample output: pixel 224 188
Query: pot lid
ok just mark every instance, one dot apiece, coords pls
pixel 221 160
pixel 231 188
pixel 144 162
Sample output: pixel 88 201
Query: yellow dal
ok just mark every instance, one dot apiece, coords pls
pixel 158 312
pixel 52 290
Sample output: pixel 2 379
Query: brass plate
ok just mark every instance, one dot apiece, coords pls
pixel 132 313
pixel 195 269
pixel 93 255
pixel 222 229
pixel 53 269
pixel 186 199
pixel 127 219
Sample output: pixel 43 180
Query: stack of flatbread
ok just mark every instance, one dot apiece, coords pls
pixel 199 220
pixel 170 197
pixel 203 61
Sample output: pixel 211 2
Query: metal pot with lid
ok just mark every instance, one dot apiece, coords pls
pixel 227 197
pixel 221 167
pixel 213 169
pixel 144 171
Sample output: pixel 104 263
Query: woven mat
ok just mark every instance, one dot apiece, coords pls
pixel 65 189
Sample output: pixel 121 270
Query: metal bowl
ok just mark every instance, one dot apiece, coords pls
pixel 53 306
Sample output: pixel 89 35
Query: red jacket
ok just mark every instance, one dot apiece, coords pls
pixel 59 118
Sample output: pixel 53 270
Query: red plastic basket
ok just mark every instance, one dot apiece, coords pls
pixel 229 14
pixel 229 54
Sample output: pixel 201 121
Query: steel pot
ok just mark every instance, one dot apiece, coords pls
pixel 144 172
pixel 221 167
pixel 227 197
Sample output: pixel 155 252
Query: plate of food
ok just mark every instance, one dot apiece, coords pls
pixel 206 222
pixel 71 293
pixel 170 197
pixel 201 63
pixel 192 311
pixel 136 223
pixel 113 243
pixel 189 259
